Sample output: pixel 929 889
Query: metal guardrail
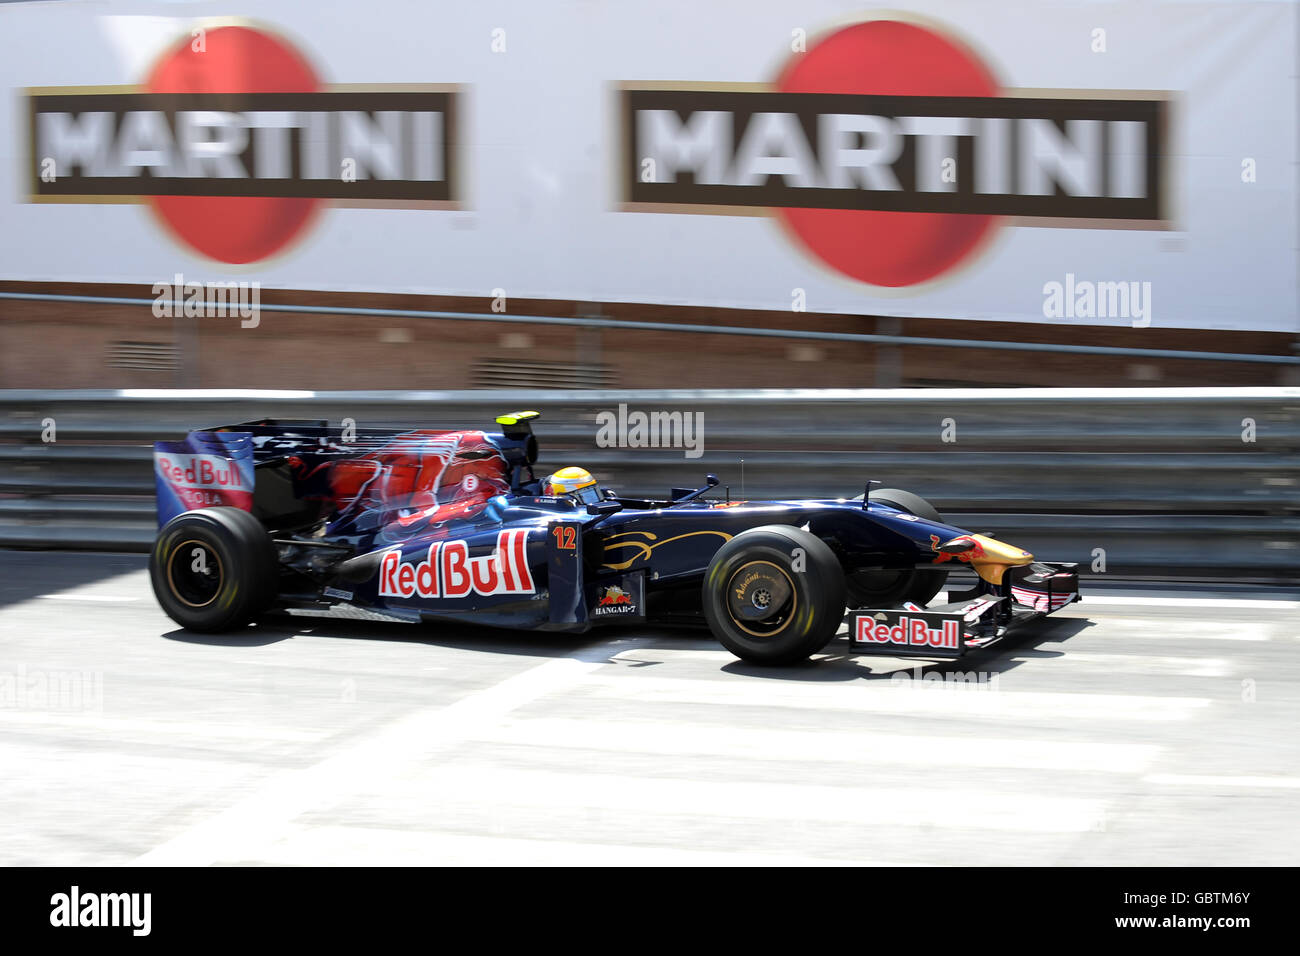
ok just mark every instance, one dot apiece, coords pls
pixel 1172 481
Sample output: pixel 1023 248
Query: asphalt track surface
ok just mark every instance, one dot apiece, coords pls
pixel 1136 728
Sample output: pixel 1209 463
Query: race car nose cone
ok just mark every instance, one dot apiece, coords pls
pixel 990 558
pixel 995 550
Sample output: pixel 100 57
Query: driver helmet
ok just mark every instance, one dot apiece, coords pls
pixel 576 484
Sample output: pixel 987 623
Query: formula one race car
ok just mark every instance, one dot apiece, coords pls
pixel 418 525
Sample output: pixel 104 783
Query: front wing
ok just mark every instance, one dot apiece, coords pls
pixel 976 621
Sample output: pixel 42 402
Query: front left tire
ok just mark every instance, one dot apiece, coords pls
pixel 774 595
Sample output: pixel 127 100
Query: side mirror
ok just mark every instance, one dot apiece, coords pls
pixel 600 510
pixel 710 481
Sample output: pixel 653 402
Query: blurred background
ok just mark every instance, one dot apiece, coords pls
pixel 572 170
pixel 568 206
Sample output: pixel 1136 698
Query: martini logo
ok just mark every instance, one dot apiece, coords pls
pixel 891 153
pixel 238 146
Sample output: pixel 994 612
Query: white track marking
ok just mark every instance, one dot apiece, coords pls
pixel 1226 602
pixel 1102 663
pixel 373 846
pixel 890 697
pixel 822 747
pixel 124 587
pixel 495 789
pixel 338 672
pixel 683 651
pixel 1156 631
pixel 240 831
pixel 1146 664
pixel 89 723
pixel 1195 780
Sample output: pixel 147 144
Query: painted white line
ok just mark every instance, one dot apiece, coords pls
pixel 241 831
pixel 95 724
pixel 696 651
pixel 263 394
pixel 373 846
pixel 920 698
pixel 1194 780
pixel 1228 603
pixel 490 790
pixel 85 596
pixel 1146 664
pixel 859 749
pixel 343 669
pixel 1155 631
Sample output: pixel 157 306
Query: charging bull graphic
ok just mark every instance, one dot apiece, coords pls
pixel 975 551
pixel 988 557
pixel 615 595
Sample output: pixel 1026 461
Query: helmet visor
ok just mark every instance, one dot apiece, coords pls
pixel 588 495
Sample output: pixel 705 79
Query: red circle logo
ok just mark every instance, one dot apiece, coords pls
pixel 888 58
pixel 234 60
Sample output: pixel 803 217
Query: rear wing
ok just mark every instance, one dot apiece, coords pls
pixel 205 469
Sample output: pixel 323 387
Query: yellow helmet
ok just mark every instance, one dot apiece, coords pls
pixel 576 483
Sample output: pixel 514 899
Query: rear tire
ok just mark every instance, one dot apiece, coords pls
pixel 214 569
pixel 774 595
pixel 882 588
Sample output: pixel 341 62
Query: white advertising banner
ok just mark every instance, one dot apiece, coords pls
pixel 1127 164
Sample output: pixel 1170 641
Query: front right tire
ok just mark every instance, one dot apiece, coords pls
pixel 892 587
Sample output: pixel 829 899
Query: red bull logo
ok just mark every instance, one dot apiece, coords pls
pixel 202 472
pixel 909 632
pixel 204 481
pixel 449 572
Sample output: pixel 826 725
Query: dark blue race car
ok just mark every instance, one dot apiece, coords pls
pixel 417 525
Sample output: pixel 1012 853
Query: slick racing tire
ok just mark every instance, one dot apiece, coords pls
pixel 214 569
pixel 774 595
pixel 891 587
